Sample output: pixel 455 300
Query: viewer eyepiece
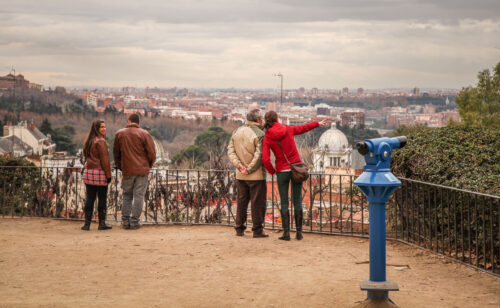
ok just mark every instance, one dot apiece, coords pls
pixel 402 141
pixel 362 148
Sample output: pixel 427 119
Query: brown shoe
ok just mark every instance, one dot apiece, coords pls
pixel 261 234
pixel 240 232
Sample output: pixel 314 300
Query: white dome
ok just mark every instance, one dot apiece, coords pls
pixel 161 154
pixel 333 140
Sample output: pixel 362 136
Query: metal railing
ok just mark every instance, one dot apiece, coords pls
pixel 460 224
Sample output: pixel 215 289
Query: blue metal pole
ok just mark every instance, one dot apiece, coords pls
pixel 377 182
pixel 377 241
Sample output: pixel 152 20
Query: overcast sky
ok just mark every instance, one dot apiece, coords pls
pixel 233 43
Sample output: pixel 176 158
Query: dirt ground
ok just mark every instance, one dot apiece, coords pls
pixel 51 263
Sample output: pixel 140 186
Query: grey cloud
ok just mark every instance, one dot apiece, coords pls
pixel 241 43
pixel 192 11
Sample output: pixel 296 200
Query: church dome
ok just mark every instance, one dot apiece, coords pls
pixel 333 140
pixel 161 154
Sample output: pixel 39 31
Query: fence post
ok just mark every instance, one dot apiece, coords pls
pixel 4 192
pixel 13 194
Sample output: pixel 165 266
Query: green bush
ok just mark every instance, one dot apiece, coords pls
pixel 458 156
pixel 15 188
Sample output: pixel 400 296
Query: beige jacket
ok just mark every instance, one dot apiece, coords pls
pixel 245 148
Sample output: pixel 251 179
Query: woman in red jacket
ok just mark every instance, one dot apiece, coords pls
pixel 275 132
pixel 96 173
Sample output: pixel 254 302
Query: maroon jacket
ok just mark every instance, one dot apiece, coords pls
pixel 134 150
pixel 99 157
pixel 283 134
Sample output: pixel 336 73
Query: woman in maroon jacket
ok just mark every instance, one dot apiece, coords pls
pixel 96 173
pixel 275 132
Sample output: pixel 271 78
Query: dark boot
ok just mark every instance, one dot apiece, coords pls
pixel 103 225
pixel 285 220
pixel 298 224
pixel 126 222
pixel 134 223
pixel 86 226
pixel 134 226
pixel 102 214
pixel 260 234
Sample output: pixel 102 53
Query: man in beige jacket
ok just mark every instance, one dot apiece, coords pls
pixel 245 153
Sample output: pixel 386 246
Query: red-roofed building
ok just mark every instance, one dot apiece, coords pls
pixel 120 105
pixel 133 110
pixel 10 81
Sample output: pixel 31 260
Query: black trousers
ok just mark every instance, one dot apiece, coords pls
pixel 256 192
pixel 101 193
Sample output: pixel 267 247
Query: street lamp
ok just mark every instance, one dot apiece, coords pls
pixel 280 75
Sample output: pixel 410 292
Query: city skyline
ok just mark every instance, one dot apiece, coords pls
pixel 226 44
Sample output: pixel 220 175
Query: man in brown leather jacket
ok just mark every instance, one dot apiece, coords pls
pixel 134 154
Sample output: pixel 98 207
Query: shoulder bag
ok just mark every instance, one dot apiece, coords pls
pixel 300 171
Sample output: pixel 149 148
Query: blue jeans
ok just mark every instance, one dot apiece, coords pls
pixel 134 188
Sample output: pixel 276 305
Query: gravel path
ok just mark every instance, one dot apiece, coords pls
pixel 53 263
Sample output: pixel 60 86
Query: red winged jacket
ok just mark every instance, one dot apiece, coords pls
pixel 284 134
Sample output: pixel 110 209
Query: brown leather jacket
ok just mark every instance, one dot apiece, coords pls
pixel 134 150
pixel 99 157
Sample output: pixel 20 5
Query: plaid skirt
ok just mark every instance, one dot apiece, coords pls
pixel 94 177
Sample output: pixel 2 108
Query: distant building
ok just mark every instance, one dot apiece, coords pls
pixel 273 106
pixel 31 136
pixel 11 81
pixel 297 121
pixel 104 102
pixel 36 86
pixel 13 146
pixel 333 150
pixel 360 91
pixel 449 115
pixel 129 90
pixel 415 91
pixel 58 162
pixel 253 106
pixel 206 115
pixel 134 110
pixel 345 91
pixel 323 111
pixel 439 119
pixel 429 109
pixel 162 158
pixel 353 118
pixel 301 92
pixel 91 99
pixel 236 117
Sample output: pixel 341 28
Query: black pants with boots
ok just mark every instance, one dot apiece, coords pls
pixel 284 180
pixel 256 192
pixel 101 193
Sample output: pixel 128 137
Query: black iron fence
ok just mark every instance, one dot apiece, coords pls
pixel 460 224
pixel 457 223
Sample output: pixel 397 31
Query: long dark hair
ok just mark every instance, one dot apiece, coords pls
pixel 270 118
pixel 93 133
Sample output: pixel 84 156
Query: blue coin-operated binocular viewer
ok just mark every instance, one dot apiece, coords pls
pixel 377 182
